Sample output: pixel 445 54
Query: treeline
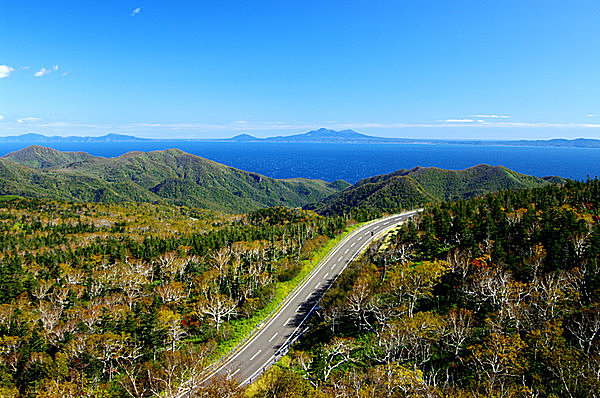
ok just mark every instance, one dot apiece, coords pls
pixel 496 296
pixel 133 299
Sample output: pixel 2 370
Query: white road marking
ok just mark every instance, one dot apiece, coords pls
pixel 386 223
pixel 377 226
pixel 298 309
pixel 333 266
pixel 288 321
pixel 326 275
pixel 346 252
pixel 340 259
pixel 271 339
pixel 353 243
pixel 360 237
pixel 254 356
pixel 309 294
pixel 316 287
pixel 234 373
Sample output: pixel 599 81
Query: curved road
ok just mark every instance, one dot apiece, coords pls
pixel 271 341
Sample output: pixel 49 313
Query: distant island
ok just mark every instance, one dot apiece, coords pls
pixel 319 136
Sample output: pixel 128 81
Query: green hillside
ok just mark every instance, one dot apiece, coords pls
pixel 41 157
pixel 405 189
pixel 171 175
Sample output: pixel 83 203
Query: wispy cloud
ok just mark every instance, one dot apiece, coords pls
pixel 45 71
pixel 1 117
pixel 590 115
pixel 5 71
pixel 28 120
pixel 136 11
pixel 457 120
pixel 492 116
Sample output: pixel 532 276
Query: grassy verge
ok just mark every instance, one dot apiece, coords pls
pixel 6 198
pixel 240 328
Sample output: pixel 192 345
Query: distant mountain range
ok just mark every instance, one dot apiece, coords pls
pixel 171 176
pixel 407 189
pixel 321 135
pixel 32 137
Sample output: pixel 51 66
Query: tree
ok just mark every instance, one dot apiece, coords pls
pixel 499 361
pixel 217 307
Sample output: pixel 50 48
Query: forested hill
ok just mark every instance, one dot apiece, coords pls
pixel 406 189
pixel 171 176
pixel 41 157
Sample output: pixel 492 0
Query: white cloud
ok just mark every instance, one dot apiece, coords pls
pixel 457 120
pixel 5 71
pixel 590 115
pixel 136 11
pixel 44 71
pixel 28 119
pixel 492 116
pixel 1 117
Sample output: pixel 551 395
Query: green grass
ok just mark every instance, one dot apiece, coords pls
pixel 240 328
pixel 7 198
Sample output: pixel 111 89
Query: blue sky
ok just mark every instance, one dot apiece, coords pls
pixel 199 69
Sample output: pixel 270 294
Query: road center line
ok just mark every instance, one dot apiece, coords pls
pixel 333 266
pixel 271 339
pixel 353 243
pixel 254 356
pixel 326 275
pixel 288 321
pixel 340 259
pixel 360 237
pixel 234 373
pixel 347 250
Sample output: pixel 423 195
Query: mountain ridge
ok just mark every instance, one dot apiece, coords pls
pixel 404 189
pixel 170 175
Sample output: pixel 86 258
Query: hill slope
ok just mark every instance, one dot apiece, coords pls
pixel 170 175
pixel 41 157
pixel 411 188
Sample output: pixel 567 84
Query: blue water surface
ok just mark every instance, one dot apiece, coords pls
pixel 352 162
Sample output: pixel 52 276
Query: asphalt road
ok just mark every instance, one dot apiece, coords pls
pixel 271 340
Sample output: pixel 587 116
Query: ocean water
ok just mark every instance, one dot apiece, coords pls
pixel 351 162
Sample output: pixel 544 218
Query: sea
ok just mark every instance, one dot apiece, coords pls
pixel 352 162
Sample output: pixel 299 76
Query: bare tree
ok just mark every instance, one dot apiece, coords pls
pixel 217 307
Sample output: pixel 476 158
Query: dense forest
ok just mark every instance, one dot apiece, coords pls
pixel 493 296
pixel 496 296
pixel 135 299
